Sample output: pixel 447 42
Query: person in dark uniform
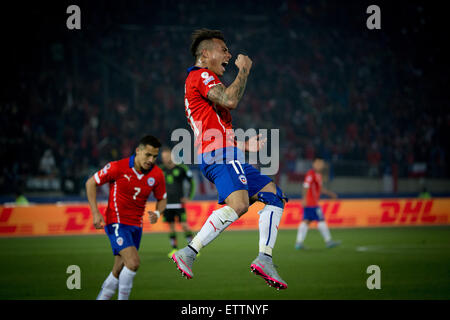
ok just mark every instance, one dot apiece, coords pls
pixel 176 175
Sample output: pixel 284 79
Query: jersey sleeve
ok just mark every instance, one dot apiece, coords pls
pixel 308 180
pixel 107 174
pixel 159 190
pixel 205 80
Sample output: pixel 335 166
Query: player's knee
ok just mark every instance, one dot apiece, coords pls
pixel 133 263
pixel 134 266
pixel 238 204
pixel 276 198
pixel 241 208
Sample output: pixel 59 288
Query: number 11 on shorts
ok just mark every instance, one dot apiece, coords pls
pixel 233 163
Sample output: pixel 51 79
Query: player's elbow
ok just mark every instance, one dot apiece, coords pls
pixel 229 101
pixel 231 104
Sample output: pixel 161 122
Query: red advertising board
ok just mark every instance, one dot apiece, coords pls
pixel 69 219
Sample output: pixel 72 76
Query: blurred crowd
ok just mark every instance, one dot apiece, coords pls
pixel 334 88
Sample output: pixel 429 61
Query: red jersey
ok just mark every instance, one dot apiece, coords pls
pixel 313 182
pixel 211 123
pixel 129 190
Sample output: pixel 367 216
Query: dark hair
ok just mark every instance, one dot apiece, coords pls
pixel 150 140
pixel 203 34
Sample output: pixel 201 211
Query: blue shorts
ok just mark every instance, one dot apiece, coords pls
pixel 312 213
pixel 122 236
pixel 226 168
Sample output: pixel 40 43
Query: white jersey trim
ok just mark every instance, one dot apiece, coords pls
pixel 115 202
pixel 139 176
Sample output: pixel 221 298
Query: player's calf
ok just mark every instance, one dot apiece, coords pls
pixel 269 219
pixel 109 287
pixel 131 261
pixel 218 221
pixel 126 278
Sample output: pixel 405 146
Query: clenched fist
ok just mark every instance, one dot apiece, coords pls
pixel 243 62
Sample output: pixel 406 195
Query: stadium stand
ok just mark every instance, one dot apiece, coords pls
pixel 358 99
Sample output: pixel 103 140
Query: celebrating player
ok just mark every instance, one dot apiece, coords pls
pixel 175 176
pixel 312 187
pixel 207 105
pixel 131 181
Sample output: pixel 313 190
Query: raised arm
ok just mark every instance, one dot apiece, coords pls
pixel 230 97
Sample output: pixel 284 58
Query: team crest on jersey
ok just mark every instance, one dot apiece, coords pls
pixel 205 75
pixel 243 179
pixel 151 181
pixel 119 241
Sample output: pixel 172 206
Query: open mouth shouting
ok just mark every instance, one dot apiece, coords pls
pixel 224 65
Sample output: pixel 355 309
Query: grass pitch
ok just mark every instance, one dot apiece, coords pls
pixel 414 263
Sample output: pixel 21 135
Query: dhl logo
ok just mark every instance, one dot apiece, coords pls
pixel 411 211
pixel 77 219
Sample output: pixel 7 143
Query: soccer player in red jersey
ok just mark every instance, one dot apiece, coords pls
pixel 131 181
pixel 312 188
pixel 207 105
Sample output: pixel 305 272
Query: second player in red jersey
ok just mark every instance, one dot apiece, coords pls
pixel 131 181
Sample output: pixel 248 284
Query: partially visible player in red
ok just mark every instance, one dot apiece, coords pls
pixel 131 181
pixel 312 188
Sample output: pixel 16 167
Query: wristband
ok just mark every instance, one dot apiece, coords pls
pixel 157 213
